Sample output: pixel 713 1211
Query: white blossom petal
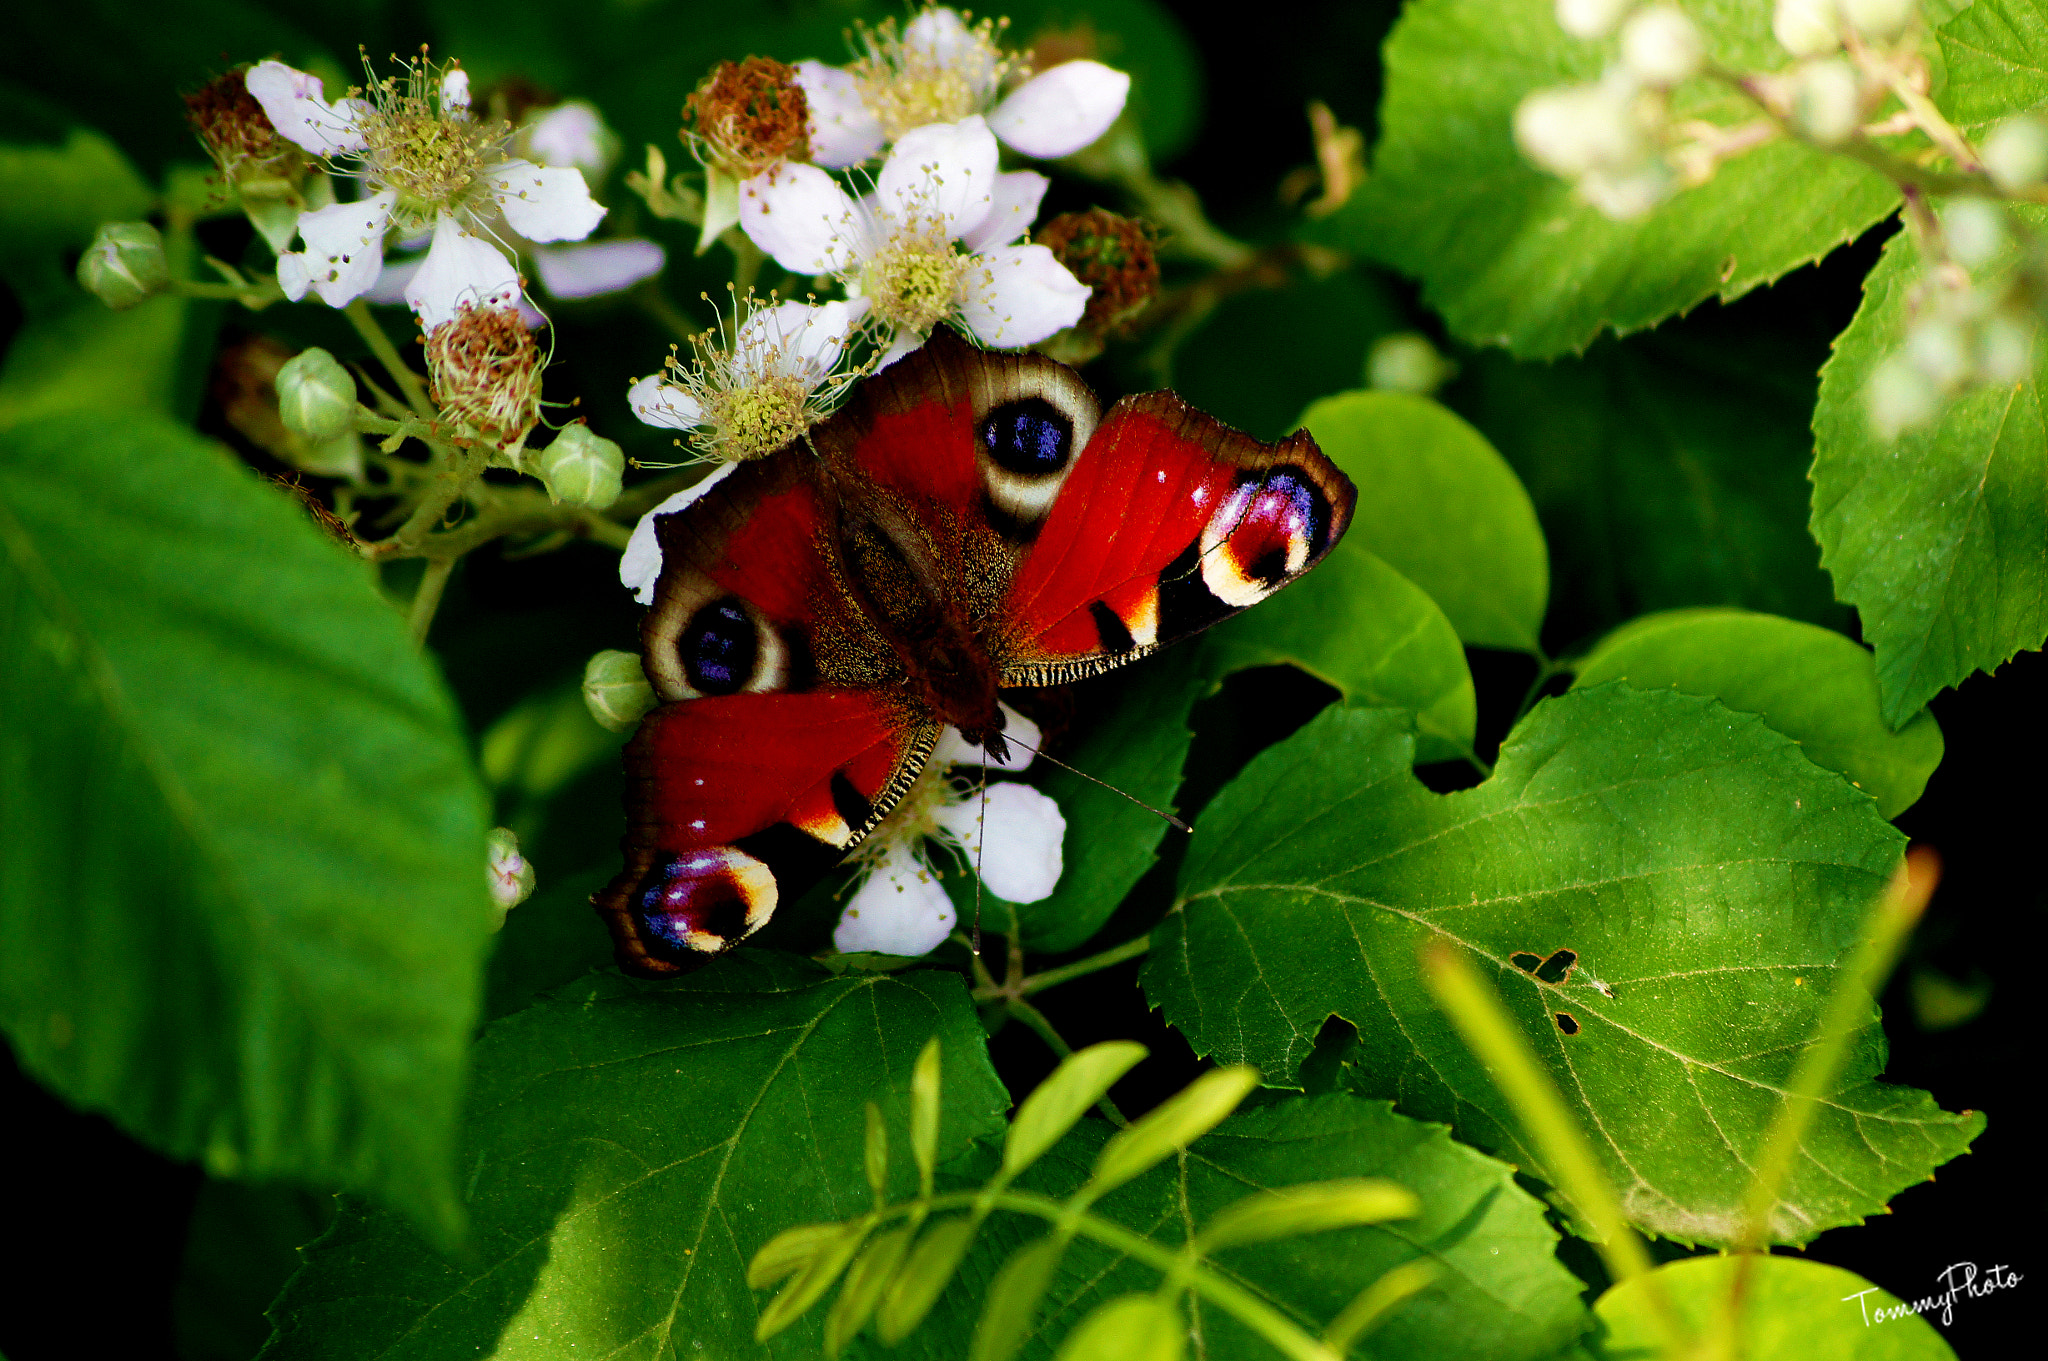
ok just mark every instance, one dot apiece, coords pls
pixel 800 215
pixel 1061 110
pixel 807 339
pixel 941 36
pixel 1019 857
pixel 293 102
pixel 455 90
pixel 461 269
pixel 900 910
pixel 900 344
pixel 941 171
pixel 843 131
pixel 659 402
pixel 293 276
pixel 588 268
pixel 1019 295
pixel 954 750
pixel 544 203
pixel 1014 207
pixel 345 247
pixel 572 133
pixel 640 564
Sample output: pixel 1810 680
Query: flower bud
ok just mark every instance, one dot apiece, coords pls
pixel 1879 18
pixel 2016 154
pixel 511 877
pixel 124 264
pixel 1899 396
pixel 1573 129
pixel 1975 231
pixel 615 689
pixel 1807 28
pixel 581 467
pixel 316 396
pixel 1114 256
pixel 1590 18
pixel 1406 362
pixel 1826 103
pixel 1661 47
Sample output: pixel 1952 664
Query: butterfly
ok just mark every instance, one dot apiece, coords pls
pixel 968 522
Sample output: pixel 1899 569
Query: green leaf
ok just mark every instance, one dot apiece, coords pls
pixel 52 200
pixel 629 1148
pixel 916 1288
pixel 1315 1207
pixel 1668 469
pixel 1996 52
pixel 790 1252
pixel 875 1153
pixel 865 1282
pixel 1441 507
pixel 924 1112
pixel 1809 683
pixel 1080 1081
pixel 1171 1126
pixel 810 1284
pixel 1011 1308
pixel 1376 636
pixel 1701 870
pixel 1500 1295
pixel 242 1246
pixel 1130 1328
pixel 242 904
pixel 1793 1310
pixel 1934 537
pixel 1506 252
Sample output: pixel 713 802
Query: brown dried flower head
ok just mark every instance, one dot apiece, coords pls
pixel 748 116
pixel 238 134
pixel 484 372
pixel 1115 256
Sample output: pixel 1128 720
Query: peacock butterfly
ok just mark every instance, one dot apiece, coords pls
pixel 967 522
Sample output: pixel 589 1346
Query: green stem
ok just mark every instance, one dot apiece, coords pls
pixel 1568 1160
pixel 358 313
pixel 1079 968
pixel 427 599
pixel 251 296
pixel 1120 159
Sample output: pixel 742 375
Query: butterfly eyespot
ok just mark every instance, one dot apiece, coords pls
pixel 726 648
pixel 1030 437
pixel 702 901
pixel 1263 534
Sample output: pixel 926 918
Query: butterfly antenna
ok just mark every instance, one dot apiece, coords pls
pixel 980 837
pixel 1157 813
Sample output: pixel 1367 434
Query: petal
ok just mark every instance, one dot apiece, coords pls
pixel 900 344
pixel 544 203
pixel 455 90
pixel 1061 110
pixel 945 171
pixel 1019 295
pixel 799 215
pixel 900 910
pixel 942 37
pixel 955 750
pixel 659 402
pixel 293 102
pixel 640 564
pixel 589 268
pixel 393 280
pixel 1019 855
pixel 292 275
pixel 803 340
pixel 843 131
pixel 345 246
pixel 1014 206
pixel 573 133
pixel 462 269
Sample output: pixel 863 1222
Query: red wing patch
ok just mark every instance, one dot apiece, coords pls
pixel 736 801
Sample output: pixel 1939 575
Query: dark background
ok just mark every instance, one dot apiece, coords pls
pixel 101 1224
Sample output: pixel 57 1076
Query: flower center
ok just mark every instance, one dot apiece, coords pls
pixel 908 79
pixel 750 115
pixel 484 371
pixel 431 159
pixel 915 284
pixel 760 417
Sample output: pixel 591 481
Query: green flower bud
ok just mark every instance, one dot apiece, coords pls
pixel 316 396
pixel 615 689
pixel 511 876
pixel 1407 362
pixel 2016 154
pixel 581 467
pixel 124 264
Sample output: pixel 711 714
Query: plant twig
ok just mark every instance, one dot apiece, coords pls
pixel 427 599
pixel 358 313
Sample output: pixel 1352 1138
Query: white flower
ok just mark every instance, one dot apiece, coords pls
pixel 1011 835
pixel 927 245
pixel 429 167
pixel 753 385
pixel 571 133
pixel 1661 47
pixel 939 69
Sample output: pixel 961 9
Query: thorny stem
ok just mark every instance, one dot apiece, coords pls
pixel 358 313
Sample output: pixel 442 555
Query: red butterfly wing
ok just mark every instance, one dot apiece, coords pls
pixel 1168 522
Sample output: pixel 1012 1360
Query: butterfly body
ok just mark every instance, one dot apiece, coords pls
pixel 969 522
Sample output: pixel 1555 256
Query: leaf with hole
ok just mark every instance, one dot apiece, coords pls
pixel 632 1147
pixel 1711 876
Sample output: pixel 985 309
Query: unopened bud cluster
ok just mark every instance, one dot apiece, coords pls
pixel 1963 333
pixel 316 396
pixel 615 689
pixel 581 467
pixel 124 265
